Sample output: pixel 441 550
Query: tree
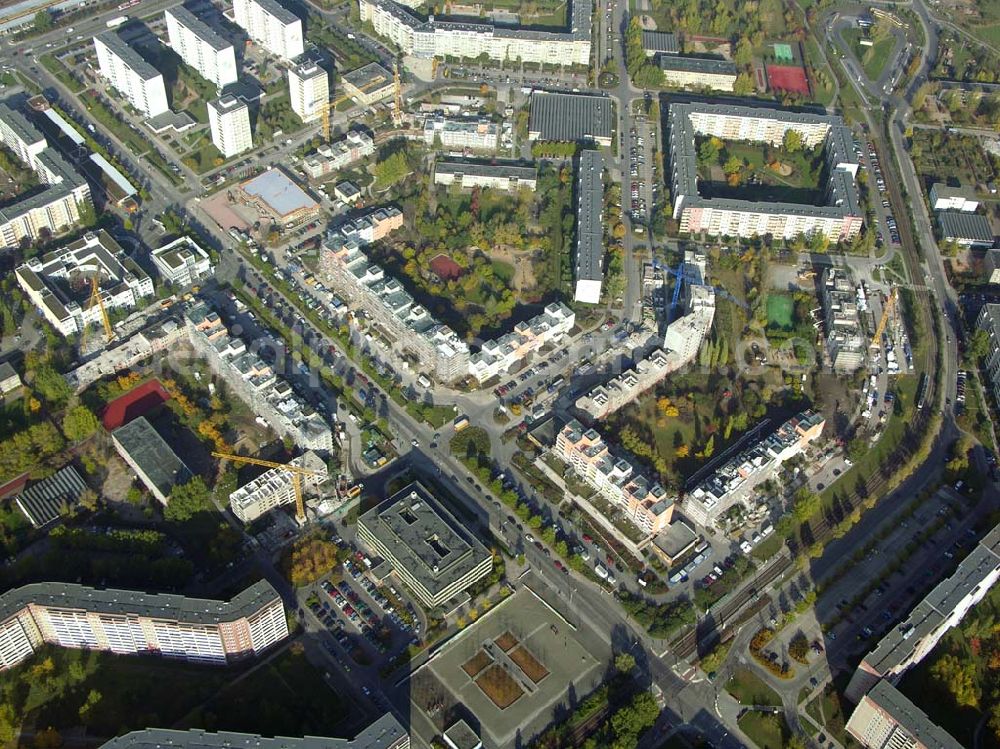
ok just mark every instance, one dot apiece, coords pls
pixel 391 170
pixel 743 85
pixel 49 384
pixel 93 700
pixel 624 663
pixel 79 423
pixel 959 678
pixel 89 499
pixel 805 504
pixel 733 165
pixel 43 21
pixel 708 151
pixel 792 142
pixel 187 500
pixel 979 344
pixel 308 559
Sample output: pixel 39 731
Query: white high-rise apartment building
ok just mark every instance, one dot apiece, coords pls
pixel 275 488
pixel 309 88
pixel 229 119
pixel 200 47
pixel 130 75
pixel 272 26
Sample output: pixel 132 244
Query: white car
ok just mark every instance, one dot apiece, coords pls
pixel 601 572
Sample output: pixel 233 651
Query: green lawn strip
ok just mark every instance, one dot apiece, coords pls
pixel 766 730
pixel 750 689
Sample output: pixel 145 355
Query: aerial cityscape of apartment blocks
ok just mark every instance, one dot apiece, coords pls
pixel 133 623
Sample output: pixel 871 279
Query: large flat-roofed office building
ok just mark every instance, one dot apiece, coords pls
pixel 385 733
pixel 429 550
pixel 182 262
pixel 128 622
pixel 571 117
pixel 839 217
pixel 368 84
pixel 201 47
pixel 148 454
pixel 130 75
pixel 271 25
pixel 886 719
pixel 589 274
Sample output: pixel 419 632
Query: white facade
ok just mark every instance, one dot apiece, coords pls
pixel 130 75
pixel 122 282
pixel 200 47
pixel 182 262
pixel 309 89
pixel 353 147
pixel 456 134
pixel 501 354
pixel 133 623
pixel 945 198
pixel 229 120
pixel 433 38
pixel 275 488
pixel 271 25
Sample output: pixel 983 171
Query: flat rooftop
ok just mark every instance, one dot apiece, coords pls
pixel 967 226
pixel 279 193
pixel 279 11
pixel 550 639
pixel 368 77
pixel 486 169
pixel 590 205
pixel 911 717
pixel 384 733
pixel 424 537
pixel 199 28
pixel 570 117
pixel 166 606
pixel 152 454
pixel 697 65
pixel 127 55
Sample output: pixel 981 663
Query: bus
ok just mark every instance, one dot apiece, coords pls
pixel 461 423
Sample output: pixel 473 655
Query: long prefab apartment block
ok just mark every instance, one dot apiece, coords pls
pixel 839 217
pixel 428 549
pixel 128 622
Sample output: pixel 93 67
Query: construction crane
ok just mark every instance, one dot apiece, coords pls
pixel 887 309
pixel 297 473
pixel 397 96
pixel 681 277
pixel 96 300
pixel 324 114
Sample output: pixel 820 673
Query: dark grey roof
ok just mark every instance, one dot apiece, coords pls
pixel 127 55
pixel 16 121
pixel 660 41
pixel 461 736
pixel 152 454
pixel 167 606
pixel 43 501
pixel 7 371
pixel 570 117
pixel 697 65
pixel 965 226
pixel 911 717
pixel 368 77
pixel 199 28
pixel 384 733
pixel 407 523
pixel 482 169
pixel 590 204
pixel 278 11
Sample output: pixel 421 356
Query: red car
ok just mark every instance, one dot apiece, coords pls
pixel 587 539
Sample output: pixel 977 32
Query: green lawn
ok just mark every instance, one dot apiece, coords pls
pixel 828 710
pixel 874 58
pixel 765 730
pixel 780 311
pixel 750 689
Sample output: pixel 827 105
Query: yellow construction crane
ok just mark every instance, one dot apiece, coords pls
pixel 297 473
pixel 397 96
pixel 324 114
pixel 890 304
pixel 96 300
